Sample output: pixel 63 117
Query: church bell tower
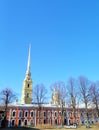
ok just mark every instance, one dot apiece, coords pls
pixel 55 97
pixel 27 84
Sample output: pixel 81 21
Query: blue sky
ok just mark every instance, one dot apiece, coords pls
pixel 64 35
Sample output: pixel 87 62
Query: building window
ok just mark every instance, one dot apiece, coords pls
pixel 44 121
pixel 13 122
pixel 27 95
pixel 68 114
pixel 55 113
pixel 28 85
pixel 55 121
pixel 48 113
pixel 14 113
pixel 19 123
pixel 65 121
pixel 64 114
pixel 2 115
pixel 32 122
pixel 26 114
pixel 32 113
pixel 81 115
pixel 44 113
pixel 25 122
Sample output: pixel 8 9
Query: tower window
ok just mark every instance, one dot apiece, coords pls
pixel 27 95
pixel 28 85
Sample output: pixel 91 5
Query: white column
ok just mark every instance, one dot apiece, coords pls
pixel 35 118
pixel 9 120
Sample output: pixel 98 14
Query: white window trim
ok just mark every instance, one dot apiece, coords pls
pixel 15 113
pixel 24 121
pixel 44 114
pixel 33 114
pixel 27 113
pixel 11 122
pixel 21 122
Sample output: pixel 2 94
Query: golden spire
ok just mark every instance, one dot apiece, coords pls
pixel 28 64
pixel 27 84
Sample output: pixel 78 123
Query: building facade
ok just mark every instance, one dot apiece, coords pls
pixel 28 114
pixel 33 115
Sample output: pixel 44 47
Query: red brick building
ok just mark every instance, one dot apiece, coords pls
pixel 33 115
pixel 27 113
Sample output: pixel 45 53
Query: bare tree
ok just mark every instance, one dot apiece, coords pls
pixel 39 93
pixel 61 89
pixel 40 97
pixel 85 96
pixel 6 96
pixel 72 91
pixel 94 93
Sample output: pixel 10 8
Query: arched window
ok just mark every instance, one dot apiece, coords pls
pixel 26 114
pixel 25 122
pixel 44 121
pixel 55 121
pixel 14 113
pixel 32 113
pixel 13 122
pixel 19 123
pixel 44 113
pixel 64 114
pixel 27 95
pixel 55 113
pixel 28 85
pixel 32 122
